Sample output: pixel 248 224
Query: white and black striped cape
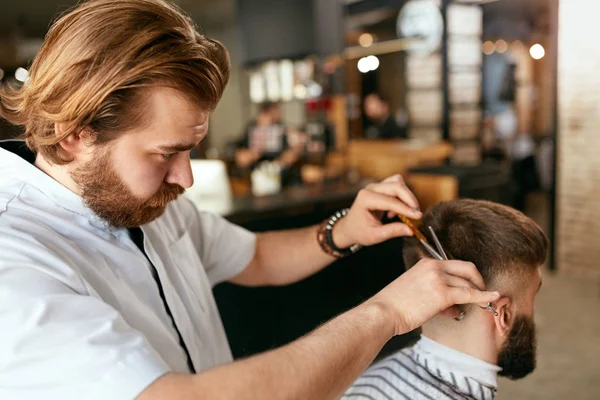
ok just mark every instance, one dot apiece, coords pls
pixel 405 375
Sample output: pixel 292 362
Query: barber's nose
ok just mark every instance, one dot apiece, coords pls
pixel 181 172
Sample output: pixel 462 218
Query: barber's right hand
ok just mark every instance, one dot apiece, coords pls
pixel 429 288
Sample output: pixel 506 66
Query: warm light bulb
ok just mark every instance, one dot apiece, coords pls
pixel 501 46
pixel 21 74
pixel 488 48
pixel 537 51
pixel 365 40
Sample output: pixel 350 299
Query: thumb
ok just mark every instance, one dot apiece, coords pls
pixel 394 178
pixel 392 230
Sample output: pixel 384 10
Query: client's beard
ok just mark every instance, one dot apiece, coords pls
pixel 517 357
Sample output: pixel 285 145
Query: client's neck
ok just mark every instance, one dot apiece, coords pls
pixel 471 336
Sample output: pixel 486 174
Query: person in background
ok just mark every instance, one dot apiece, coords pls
pixel 266 139
pixel 377 110
pixel 460 359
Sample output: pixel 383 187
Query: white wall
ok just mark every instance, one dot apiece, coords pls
pixel 233 112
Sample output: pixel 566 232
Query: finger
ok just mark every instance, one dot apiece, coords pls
pixel 395 229
pixel 393 178
pixel 455 281
pixel 464 270
pixel 467 295
pixel 380 202
pixel 396 189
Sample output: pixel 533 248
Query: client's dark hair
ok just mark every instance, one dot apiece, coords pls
pixel 496 238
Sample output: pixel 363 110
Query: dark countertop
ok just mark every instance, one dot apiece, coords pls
pixel 294 200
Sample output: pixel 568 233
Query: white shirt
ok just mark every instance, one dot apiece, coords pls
pixel 80 312
pixel 427 371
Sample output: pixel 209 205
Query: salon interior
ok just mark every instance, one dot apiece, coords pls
pixel 487 99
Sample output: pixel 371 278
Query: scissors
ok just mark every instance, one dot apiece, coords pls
pixel 440 254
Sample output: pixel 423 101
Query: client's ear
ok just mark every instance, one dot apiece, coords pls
pixel 505 317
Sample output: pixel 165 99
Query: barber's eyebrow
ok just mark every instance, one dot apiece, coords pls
pixel 177 147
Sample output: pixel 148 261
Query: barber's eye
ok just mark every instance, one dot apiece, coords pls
pixel 167 156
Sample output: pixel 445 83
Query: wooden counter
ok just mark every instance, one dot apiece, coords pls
pixel 293 201
pixel 379 159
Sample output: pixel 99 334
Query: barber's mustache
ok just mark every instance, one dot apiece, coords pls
pixel 165 194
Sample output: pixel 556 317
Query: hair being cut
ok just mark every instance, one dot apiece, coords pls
pixel 496 238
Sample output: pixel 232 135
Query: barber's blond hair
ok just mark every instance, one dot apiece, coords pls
pixel 97 60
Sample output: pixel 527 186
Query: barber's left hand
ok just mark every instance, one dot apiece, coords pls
pixel 363 224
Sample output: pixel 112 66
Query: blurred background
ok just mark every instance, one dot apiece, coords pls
pixel 487 99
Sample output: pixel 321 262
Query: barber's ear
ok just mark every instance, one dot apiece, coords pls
pixel 74 144
pixel 505 317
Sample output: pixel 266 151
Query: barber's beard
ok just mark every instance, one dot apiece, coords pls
pixel 517 357
pixel 108 197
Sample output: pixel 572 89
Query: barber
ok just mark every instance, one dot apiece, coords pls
pixel 106 273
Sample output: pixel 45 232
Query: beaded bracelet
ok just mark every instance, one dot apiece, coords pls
pixel 325 237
